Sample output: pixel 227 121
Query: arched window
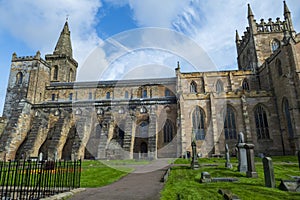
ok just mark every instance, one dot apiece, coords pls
pixel 245 85
pixel 19 78
pixel 193 87
pixel 126 95
pixel 167 92
pixel 229 124
pixel 168 131
pixel 219 86
pixel 71 75
pixel 144 94
pixel 261 123
pixel 275 44
pixel 279 67
pixel 198 124
pixel 107 95
pixel 287 116
pixel 55 72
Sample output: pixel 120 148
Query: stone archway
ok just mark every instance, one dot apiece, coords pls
pixel 68 147
pixel 92 146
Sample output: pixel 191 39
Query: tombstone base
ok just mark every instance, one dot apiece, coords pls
pixel 251 174
pixel 195 164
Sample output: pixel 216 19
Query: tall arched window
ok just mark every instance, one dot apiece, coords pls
pixel 229 124
pixel 198 123
pixel 55 72
pixel 219 86
pixel 278 67
pixel 168 131
pixel 71 96
pixel 193 87
pixel 261 123
pixel 19 78
pixel 287 116
pixel 245 85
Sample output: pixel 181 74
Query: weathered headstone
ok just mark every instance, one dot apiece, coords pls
pixel 251 172
pixel 195 163
pixel 55 155
pixel 227 157
pixel 268 172
pixel 242 155
pixel 205 177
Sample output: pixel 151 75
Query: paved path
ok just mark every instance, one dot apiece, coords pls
pixel 144 183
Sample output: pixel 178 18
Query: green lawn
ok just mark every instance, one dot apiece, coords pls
pixel 183 183
pixel 97 174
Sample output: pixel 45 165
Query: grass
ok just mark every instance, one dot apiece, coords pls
pixel 97 174
pixel 183 183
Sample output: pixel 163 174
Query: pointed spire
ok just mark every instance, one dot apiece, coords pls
pixel 288 18
pixel 250 13
pixel 285 8
pixel 64 45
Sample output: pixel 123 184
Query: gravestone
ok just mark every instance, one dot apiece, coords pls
pixel 205 177
pixel 242 155
pixel 268 172
pixel 195 163
pixel 251 172
pixel 227 157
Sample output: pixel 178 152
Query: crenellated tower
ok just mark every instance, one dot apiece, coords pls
pixel 63 65
pixel 262 39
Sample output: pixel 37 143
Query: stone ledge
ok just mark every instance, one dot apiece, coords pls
pixel 64 195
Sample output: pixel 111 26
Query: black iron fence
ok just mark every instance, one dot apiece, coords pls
pixel 37 179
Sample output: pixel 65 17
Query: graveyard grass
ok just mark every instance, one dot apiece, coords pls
pixel 183 182
pixel 96 174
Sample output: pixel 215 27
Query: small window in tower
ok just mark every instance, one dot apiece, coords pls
pixel 193 87
pixel 19 78
pixel 55 72
pixel 71 96
pixel 245 85
pixel 219 86
pixel 275 44
pixel 126 95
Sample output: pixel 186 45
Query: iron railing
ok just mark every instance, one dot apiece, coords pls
pixel 37 179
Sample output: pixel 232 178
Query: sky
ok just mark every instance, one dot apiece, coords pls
pixel 125 38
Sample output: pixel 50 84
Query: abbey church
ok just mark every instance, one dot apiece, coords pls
pixel 47 111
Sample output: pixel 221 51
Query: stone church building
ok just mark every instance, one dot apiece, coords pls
pixel 47 111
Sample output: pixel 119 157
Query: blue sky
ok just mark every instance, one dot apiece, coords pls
pixel 27 26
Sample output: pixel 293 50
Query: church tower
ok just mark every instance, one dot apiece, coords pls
pixel 63 65
pixel 260 40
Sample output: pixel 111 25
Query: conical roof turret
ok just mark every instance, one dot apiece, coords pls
pixel 64 45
